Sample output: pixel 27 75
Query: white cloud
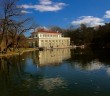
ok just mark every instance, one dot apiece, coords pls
pixel 45 2
pixel 25 12
pixel 89 21
pixel 107 14
pixel 45 5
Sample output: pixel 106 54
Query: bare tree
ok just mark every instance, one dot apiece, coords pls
pixel 8 11
pixel 11 27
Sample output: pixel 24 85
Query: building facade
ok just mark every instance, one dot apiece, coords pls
pixel 48 39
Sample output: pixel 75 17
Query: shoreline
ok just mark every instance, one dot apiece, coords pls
pixel 10 53
pixel 18 53
pixel 44 48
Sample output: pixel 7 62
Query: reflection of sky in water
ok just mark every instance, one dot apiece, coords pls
pixel 29 67
pixel 108 71
pixel 91 66
pixel 50 84
pixel 76 76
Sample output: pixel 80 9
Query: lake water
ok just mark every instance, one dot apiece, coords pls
pixel 58 72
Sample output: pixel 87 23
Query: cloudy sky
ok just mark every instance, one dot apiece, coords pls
pixel 64 13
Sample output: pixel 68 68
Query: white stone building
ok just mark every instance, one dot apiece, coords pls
pixel 48 39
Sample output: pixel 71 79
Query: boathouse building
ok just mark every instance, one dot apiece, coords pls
pixel 48 39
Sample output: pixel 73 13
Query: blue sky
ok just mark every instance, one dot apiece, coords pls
pixel 64 13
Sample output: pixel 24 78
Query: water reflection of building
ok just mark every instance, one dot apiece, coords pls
pixel 53 57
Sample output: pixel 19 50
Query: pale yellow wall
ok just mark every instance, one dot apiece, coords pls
pixel 49 40
pixel 55 42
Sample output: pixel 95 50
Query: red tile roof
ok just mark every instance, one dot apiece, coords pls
pixel 41 30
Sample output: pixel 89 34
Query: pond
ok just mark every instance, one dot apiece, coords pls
pixel 58 72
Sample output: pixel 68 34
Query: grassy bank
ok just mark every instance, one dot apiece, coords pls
pixel 17 52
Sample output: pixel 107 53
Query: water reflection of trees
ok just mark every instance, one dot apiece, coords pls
pixel 81 55
pixel 14 80
pixel 10 67
pixel 18 82
pixel 103 55
pixel 89 57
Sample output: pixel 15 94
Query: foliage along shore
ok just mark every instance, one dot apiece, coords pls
pixel 94 37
